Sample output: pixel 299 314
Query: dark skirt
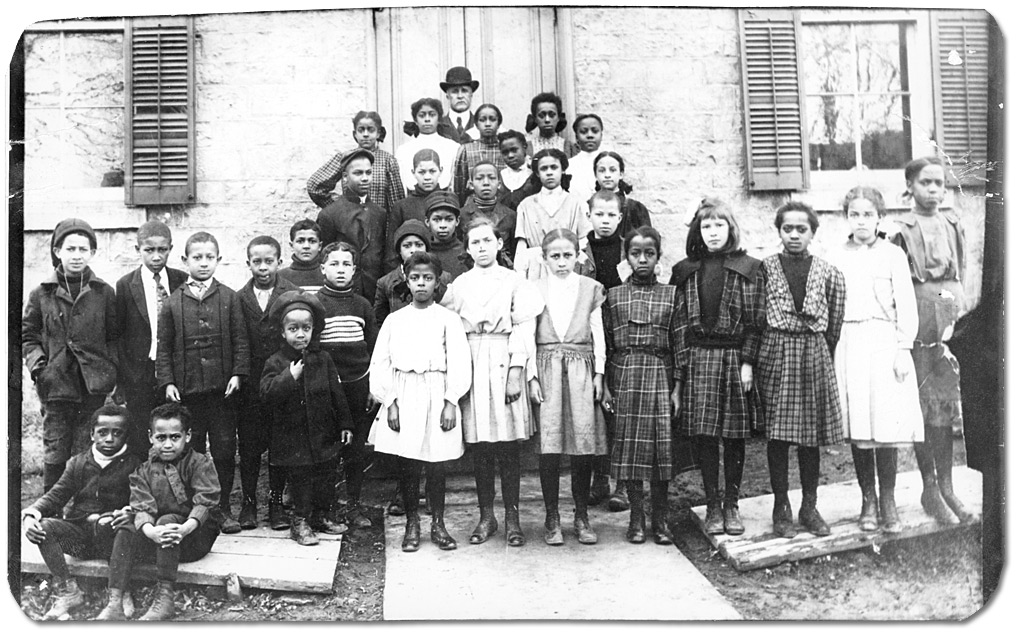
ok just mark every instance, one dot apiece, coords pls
pixel 643 441
pixel 714 403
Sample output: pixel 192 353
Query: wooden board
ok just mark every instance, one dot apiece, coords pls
pixel 840 506
pixel 261 558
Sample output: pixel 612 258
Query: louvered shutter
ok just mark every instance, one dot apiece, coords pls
pixel 960 52
pixel 160 111
pixel 776 148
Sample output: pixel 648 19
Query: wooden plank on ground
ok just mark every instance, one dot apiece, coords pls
pixel 272 563
pixel 840 506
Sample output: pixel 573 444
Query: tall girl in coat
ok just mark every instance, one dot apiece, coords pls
pixel 804 303
pixel 498 308
pixel 722 313
pixel 571 360
pixel 874 370
pixel 642 333
pixel 934 243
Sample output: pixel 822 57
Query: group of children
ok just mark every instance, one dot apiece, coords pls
pixel 431 322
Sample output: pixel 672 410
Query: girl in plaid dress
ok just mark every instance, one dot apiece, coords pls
pixel 804 302
pixel 571 359
pixel 498 308
pixel 642 332
pixel 722 313
pixel 934 243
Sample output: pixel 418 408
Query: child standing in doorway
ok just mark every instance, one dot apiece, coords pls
pixel 498 309
pixel 934 243
pixel 588 132
pixel 488 119
pixel 804 303
pixel 548 117
pixel 426 114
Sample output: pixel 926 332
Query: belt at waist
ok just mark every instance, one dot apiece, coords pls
pixel 482 336
pixel 581 348
pixel 717 342
pixel 658 352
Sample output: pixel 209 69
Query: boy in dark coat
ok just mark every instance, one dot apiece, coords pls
pixel 442 216
pixel 69 343
pixel 305 245
pixel 140 295
pixel 257 297
pixel 391 291
pixel 172 496
pixel 202 358
pixel 95 483
pixel 310 418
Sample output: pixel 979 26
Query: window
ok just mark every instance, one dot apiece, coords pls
pixel 832 92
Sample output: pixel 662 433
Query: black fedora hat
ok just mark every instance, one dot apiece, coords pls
pixel 458 76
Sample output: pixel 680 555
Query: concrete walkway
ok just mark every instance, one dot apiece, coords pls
pixel 609 580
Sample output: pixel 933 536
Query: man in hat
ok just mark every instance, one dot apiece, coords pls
pixel 458 123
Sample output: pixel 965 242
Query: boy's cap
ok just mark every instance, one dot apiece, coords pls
pixel 441 199
pixel 354 154
pixel 412 227
pixel 458 76
pixel 66 227
pixel 293 300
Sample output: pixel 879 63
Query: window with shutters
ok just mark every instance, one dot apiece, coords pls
pixel 160 148
pixel 837 97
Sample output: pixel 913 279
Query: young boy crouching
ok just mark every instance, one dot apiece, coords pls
pixel 310 416
pixel 95 483
pixel 171 495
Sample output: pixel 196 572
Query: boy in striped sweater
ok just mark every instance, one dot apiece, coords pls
pixel 349 337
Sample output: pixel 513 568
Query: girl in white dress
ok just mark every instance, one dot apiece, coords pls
pixel 497 307
pixel 420 369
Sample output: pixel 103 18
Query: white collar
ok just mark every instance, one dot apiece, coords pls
pixel 104 460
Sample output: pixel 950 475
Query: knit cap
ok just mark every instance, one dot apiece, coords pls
pixel 297 300
pixel 412 227
pixel 66 227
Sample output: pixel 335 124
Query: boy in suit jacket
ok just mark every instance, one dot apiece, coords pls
pixel 140 295
pixel 264 337
pixel 202 358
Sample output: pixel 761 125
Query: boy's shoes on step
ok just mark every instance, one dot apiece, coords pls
pixel 249 518
pixel 66 597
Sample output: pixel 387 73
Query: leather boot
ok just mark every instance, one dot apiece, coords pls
pixel 965 515
pixel 660 507
pixel 320 521
pixel 395 506
pixel 933 503
pixel 486 527
pixel 301 532
pixel 636 497
pixel 714 523
pixel 585 534
pixel 732 523
pixel 162 604
pixel 782 517
pixel 278 519
pixel 599 489
pixel 887 512
pixel 439 535
pixel 869 511
pixel 67 596
pixel 553 532
pixel 249 515
pixel 514 535
pixel 810 518
pixel 412 533
pixel 114 609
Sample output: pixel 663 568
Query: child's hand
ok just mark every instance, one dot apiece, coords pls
pixel 902 365
pixel 607 398
pixel 513 384
pixel 346 436
pixel 172 394
pixel 448 419
pixel 535 391
pixel 674 399
pixel 165 535
pixel 233 386
pixel 122 518
pixel 370 403
pixel 33 530
pixel 393 416
pixel 598 382
pixel 746 377
pixel 296 368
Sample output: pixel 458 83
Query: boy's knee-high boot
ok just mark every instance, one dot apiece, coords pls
pixel 931 496
pixel 277 481
pixel 580 477
pixel 225 475
pixel 660 530
pixel 409 493
pixel 510 485
pixel 549 477
pixel 864 465
pixel 435 485
pixel 484 458
pixel 809 461
pixel 779 475
pixel 942 447
pixel 733 471
pixel 885 459
pixel 707 450
pixel 636 497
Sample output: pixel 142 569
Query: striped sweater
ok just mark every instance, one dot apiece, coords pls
pixel 350 332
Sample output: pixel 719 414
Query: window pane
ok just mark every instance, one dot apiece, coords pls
pixel 885 139
pixel 828 59
pixel 878 58
pixel 830 133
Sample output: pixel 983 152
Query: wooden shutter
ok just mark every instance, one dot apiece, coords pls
pixel 160 154
pixel 776 148
pixel 960 60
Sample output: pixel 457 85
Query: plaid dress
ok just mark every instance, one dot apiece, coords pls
pixel 796 377
pixel 386 188
pixel 470 154
pixel 641 333
pixel 713 401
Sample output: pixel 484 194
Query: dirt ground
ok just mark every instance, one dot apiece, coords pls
pixel 934 577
